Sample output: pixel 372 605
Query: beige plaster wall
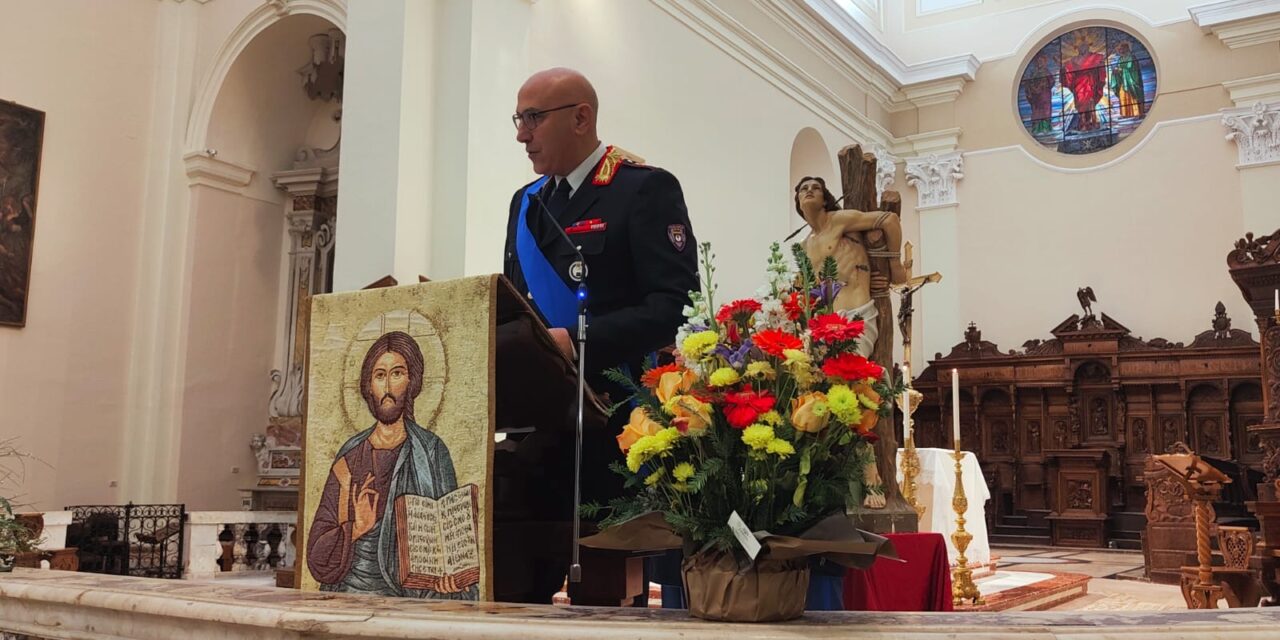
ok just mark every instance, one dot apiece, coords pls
pixel 1146 223
pixel 62 377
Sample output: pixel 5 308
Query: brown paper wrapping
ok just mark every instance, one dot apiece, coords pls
pixel 725 585
pixel 766 591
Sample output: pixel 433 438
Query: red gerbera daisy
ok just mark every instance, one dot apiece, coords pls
pixel 775 341
pixel 851 367
pixel 738 311
pixel 833 327
pixel 651 377
pixel 742 408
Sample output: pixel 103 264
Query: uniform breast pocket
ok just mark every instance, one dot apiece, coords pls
pixel 589 244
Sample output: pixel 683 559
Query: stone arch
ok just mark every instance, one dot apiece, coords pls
pixel 334 11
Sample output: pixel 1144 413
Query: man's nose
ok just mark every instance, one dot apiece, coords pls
pixel 523 135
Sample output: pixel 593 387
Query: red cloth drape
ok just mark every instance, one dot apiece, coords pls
pixel 922 583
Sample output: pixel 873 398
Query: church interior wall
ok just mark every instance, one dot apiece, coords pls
pixel 1147 222
pixel 261 118
pixel 89 66
pixel 686 106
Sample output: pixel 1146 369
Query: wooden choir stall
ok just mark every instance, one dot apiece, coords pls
pixel 1063 427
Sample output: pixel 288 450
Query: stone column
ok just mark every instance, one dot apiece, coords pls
pixel 935 178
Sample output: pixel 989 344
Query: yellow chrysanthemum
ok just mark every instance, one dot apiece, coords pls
pixel 667 437
pixel 698 344
pixel 683 471
pixel 723 377
pixel 647 447
pixel 655 477
pixel 780 448
pixel 795 358
pixel 843 403
pixel 760 369
pixel 771 418
pixel 757 436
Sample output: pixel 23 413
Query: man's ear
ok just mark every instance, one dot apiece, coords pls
pixel 582 118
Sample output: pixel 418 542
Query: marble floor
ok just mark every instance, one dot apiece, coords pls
pixel 1113 587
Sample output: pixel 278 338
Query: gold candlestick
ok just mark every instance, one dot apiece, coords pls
pixel 962 586
pixel 910 458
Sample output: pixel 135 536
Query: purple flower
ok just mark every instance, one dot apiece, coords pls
pixel 735 357
pixel 826 291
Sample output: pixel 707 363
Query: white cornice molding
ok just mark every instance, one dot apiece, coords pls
pixel 819 36
pixel 1240 23
pixel 1250 91
pixel 861 42
pixel 720 29
pixel 205 169
pixel 1256 132
pixel 942 141
pixel 932 93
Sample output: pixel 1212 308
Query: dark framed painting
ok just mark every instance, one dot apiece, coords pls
pixel 21 139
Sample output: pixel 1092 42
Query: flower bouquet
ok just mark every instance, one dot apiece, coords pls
pixel 743 451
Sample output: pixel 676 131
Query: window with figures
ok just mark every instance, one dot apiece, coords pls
pixel 1086 90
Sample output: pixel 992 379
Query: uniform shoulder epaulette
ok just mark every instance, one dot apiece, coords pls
pixel 614 158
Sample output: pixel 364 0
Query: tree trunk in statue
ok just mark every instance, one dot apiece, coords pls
pixel 858 184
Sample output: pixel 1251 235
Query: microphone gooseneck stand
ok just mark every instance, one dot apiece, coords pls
pixel 575 568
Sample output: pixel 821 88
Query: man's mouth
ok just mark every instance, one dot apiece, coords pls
pixel 388 397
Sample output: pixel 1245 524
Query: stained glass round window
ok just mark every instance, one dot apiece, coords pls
pixel 1087 89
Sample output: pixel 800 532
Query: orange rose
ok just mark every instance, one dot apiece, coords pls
pixel 809 412
pixel 869 416
pixel 639 427
pixel 674 383
pixel 692 416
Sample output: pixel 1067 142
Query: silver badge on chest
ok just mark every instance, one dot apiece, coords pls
pixel 577 271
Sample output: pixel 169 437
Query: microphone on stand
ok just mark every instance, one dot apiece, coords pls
pixel 575 568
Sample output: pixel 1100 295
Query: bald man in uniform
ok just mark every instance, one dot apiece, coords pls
pixel 630 223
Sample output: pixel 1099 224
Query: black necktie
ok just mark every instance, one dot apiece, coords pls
pixel 559 200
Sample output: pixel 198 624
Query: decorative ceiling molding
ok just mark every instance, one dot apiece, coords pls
pixel 205 169
pixel 1250 91
pixel 819 36
pixel 857 40
pixel 942 141
pixel 704 18
pixel 1240 23
pixel 930 93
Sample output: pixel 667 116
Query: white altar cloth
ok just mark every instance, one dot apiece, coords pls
pixel 934 488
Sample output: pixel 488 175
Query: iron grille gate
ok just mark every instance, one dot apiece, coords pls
pixel 134 539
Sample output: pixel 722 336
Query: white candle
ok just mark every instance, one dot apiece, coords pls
pixel 906 404
pixel 1277 300
pixel 955 406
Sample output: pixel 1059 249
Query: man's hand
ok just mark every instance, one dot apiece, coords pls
pixel 879 283
pixel 366 508
pixel 447 584
pixel 561 336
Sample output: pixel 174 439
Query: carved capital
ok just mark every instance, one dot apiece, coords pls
pixel 934 176
pixel 1256 131
pixel 886 167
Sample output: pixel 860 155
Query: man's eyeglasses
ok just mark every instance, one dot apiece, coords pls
pixel 529 118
